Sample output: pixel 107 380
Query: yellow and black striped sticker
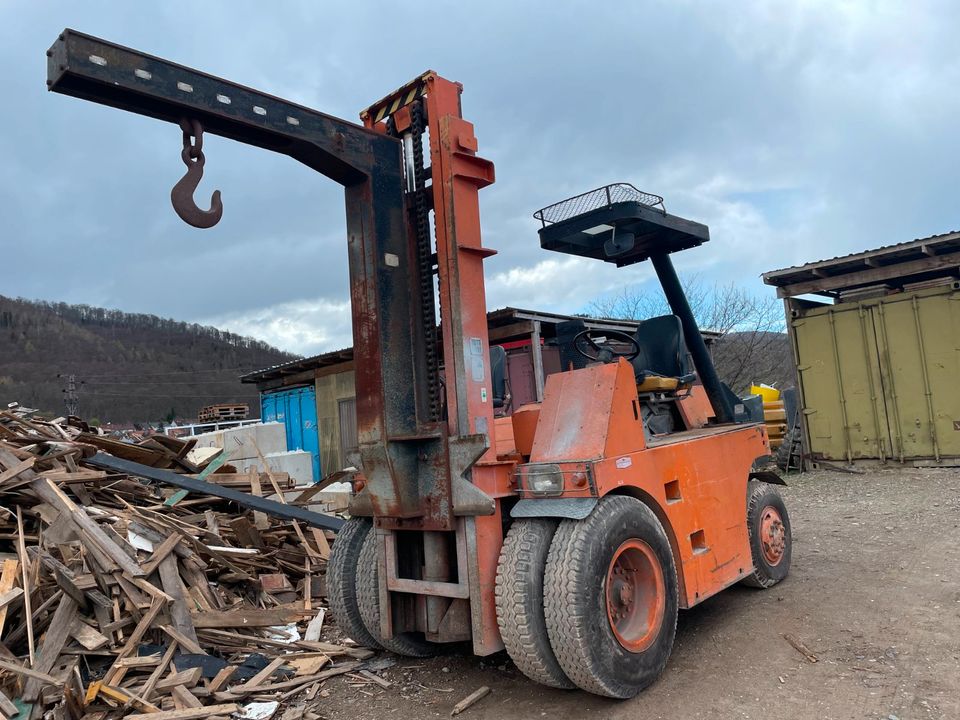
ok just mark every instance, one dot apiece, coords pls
pixel 401 98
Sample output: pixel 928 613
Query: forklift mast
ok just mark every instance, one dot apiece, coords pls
pixel 425 433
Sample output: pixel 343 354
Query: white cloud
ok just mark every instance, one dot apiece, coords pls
pixel 306 327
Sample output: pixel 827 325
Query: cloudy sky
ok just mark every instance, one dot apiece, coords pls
pixel 795 130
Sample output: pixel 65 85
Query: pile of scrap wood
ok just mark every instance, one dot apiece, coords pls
pixel 121 596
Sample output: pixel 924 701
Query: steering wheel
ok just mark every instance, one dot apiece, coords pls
pixel 598 341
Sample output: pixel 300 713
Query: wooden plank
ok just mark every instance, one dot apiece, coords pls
pixel 53 642
pixel 125 697
pixel 186 678
pixel 184 697
pixel 9 596
pixel 221 678
pixel 264 674
pixel 470 699
pixel 8 709
pixel 87 636
pixel 155 676
pixel 247 534
pixel 27 672
pixel 8 576
pixel 280 496
pixel 312 633
pixel 17 470
pixel 51 494
pixel 254 617
pixel 179 611
pixel 189 645
pixel 114 674
pixel 287 684
pixel 25 580
pixel 323 546
pixel 188 713
pixel 159 553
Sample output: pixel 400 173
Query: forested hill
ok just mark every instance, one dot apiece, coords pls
pixel 133 368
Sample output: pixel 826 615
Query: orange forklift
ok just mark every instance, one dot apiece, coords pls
pixel 569 532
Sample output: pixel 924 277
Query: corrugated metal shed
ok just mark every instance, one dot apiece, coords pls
pixel 877 366
pixel 892 265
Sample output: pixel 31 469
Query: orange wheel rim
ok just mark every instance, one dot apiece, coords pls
pixel 773 536
pixel 635 595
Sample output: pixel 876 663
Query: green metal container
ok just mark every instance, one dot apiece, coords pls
pixel 880 378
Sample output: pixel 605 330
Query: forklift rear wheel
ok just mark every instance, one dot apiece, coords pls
pixel 617 640
pixel 771 543
pixel 342 581
pixel 368 598
pixel 519 593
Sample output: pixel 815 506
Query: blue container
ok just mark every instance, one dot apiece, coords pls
pixel 297 410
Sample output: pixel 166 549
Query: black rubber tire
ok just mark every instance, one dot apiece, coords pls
pixel 368 598
pixel 342 581
pixel 575 602
pixel 759 496
pixel 519 595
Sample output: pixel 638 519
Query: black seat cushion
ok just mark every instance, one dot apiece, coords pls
pixel 663 351
pixel 567 330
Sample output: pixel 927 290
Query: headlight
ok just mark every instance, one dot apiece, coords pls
pixel 544 479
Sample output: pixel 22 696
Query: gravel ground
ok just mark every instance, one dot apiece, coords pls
pixel 874 593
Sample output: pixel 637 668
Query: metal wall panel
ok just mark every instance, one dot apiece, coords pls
pixel 878 377
pixel 297 410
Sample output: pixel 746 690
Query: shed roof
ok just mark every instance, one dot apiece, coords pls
pixel 502 319
pixel 910 261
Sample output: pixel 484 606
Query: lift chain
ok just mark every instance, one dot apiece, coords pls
pixel 425 261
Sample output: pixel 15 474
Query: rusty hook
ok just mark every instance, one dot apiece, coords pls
pixel 182 194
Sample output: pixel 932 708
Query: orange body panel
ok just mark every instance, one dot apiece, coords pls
pixel 695 408
pixel 525 427
pixel 695 481
pixel 503 435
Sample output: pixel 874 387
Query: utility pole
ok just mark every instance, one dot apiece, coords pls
pixel 70 398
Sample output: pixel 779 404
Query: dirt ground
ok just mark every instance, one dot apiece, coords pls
pixel 874 593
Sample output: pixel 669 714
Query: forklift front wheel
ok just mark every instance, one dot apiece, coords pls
pixel 519 595
pixel 771 542
pixel 342 581
pixel 616 641
pixel 368 598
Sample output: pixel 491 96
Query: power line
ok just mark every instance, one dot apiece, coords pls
pixel 166 382
pixel 189 396
pixel 173 372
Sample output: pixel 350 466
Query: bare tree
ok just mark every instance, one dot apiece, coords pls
pixel 753 346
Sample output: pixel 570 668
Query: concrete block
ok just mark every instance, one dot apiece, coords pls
pixel 242 442
pixel 297 463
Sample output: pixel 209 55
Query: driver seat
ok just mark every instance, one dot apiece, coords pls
pixel 663 362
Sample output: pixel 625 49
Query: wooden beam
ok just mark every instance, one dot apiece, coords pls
pixel 53 641
pixel 874 275
pixel 188 713
pixel 8 576
pixel 179 610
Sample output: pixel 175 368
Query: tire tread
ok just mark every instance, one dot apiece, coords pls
pixel 519 598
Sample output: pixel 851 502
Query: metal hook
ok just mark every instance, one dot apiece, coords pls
pixel 182 194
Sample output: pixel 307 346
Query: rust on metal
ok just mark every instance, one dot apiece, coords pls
pixel 636 595
pixel 182 194
pixel 773 536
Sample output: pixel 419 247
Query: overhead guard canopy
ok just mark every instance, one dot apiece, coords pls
pixel 617 224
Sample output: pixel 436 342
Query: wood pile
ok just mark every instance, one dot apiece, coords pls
pixel 125 598
pixel 223 412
